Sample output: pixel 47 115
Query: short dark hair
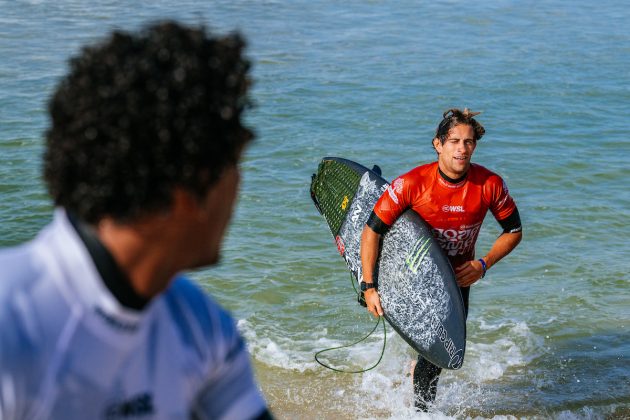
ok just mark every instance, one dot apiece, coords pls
pixel 454 117
pixel 143 113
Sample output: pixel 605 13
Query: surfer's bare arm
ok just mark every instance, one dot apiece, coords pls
pixel 471 271
pixel 369 254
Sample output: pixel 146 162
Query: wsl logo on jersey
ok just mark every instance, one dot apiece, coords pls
pixel 453 209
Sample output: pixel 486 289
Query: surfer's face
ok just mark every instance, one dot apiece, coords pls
pixel 455 154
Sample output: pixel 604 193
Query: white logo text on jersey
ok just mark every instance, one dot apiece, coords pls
pixel 396 188
pixel 453 209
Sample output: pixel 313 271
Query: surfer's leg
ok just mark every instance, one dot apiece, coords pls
pixel 425 380
pixel 465 295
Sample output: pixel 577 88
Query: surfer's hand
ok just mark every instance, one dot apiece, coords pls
pixel 468 273
pixel 373 302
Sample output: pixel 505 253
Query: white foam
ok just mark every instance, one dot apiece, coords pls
pixel 586 413
pixel 515 346
pixel 274 352
pixel 485 362
pixel 298 354
pixel 386 392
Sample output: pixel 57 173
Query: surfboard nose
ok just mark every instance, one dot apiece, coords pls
pixel 313 196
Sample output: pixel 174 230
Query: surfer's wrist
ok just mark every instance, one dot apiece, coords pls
pixel 484 267
pixel 367 285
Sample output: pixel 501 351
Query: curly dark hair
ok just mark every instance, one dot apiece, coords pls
pixel 143 113
pixel 454 117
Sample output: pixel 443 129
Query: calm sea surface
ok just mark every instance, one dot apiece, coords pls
pixel 549 327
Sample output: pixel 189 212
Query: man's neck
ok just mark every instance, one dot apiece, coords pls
pixel 114 278
pixel 452 180
pixel 140 252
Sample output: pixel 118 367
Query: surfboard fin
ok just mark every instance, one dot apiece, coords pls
pixel 377 170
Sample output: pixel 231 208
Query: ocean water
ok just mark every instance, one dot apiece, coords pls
pixel 549 327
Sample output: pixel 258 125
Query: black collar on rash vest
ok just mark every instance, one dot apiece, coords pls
pixel 451 180
pixel 113 277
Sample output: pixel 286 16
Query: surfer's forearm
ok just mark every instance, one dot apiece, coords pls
pixel 502 247
pixel 369 253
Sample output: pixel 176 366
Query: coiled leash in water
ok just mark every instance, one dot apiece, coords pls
pixel 380 319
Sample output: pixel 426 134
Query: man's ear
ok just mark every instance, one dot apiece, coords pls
pixel 437 145
pixel 184 203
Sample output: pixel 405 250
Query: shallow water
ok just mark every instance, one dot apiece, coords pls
pixel 549 328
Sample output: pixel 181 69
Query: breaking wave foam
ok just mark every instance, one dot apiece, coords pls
pixel 386 391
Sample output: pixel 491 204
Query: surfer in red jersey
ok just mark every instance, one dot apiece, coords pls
pixel 453 196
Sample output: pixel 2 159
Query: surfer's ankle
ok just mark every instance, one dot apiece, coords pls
pixel 421 406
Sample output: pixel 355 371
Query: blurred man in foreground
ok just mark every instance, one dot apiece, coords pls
pixel 141 161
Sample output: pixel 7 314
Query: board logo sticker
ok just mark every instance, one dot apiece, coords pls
pixel 356 214
pixel 344 203
pixel 418 251
pixel 455 354
pixel 340 245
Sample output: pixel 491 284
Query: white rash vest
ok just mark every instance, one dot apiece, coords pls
pixel 70 350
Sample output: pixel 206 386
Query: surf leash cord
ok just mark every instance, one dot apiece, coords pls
pixel 378 321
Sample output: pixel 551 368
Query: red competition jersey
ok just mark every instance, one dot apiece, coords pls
pixel 454 211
